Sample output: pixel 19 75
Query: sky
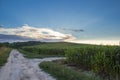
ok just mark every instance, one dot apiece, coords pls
pixel 76 19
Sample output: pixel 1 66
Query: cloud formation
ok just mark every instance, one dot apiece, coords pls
pixel 1 26
pixel 74 30
pixel 36 33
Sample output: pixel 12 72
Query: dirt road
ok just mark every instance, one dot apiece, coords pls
pixel 20 68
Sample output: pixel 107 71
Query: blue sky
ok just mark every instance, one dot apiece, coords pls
pixel 100 19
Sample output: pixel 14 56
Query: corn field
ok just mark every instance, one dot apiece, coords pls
pixel 104 60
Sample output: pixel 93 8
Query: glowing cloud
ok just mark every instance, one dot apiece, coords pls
pixel 36 33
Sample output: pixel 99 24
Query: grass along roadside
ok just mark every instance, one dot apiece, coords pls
pixel 61 72
pixel 37 55
pixel 4 54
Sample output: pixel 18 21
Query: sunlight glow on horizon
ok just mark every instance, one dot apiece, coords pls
pixel 97 42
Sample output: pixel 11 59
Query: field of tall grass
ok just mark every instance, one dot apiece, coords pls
pixel 4 54
pixel 48 49
pixel 103 60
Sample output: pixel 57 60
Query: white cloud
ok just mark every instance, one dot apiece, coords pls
pixel 36 33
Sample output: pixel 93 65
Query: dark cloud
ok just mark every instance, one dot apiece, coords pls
pixel 13 38
pixel 18 32
pixel 1 26
pixel 77 30
pixel 33 30
pixel 45 32
pixel 74 30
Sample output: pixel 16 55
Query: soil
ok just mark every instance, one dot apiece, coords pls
pixel 20 68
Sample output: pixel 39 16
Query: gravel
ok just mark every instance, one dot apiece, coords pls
pixel 20 68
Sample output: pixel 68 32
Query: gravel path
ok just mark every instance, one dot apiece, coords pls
pixel 20 68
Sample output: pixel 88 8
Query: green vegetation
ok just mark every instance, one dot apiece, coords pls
pixel 4 53
pixel 18 45
pixel 103 60
pixel 61 72
pixel 35 54
pixel 43 50
pixel 47 49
